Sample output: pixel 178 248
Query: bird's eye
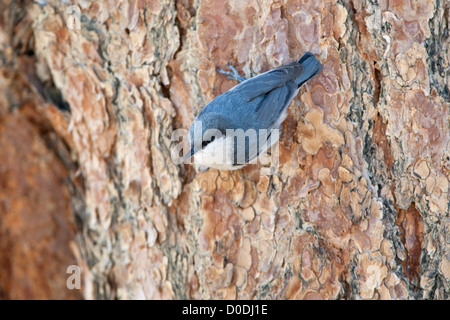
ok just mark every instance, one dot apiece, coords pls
pixel 205 143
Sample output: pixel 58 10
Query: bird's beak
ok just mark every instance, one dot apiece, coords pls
pixel 189 154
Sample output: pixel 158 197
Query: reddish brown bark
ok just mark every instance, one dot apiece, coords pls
pixel 358 207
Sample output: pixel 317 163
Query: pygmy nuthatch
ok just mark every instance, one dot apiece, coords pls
pixel 236 127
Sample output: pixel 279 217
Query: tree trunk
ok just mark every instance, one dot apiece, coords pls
pixel 91 92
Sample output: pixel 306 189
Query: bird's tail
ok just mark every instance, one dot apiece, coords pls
pixel 311 67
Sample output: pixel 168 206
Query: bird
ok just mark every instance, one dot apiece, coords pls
pixel 237 127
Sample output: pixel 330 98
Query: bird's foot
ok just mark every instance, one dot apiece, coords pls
pixel 232 75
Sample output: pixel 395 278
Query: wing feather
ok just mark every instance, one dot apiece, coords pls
pixel 275 103
pixel 268 81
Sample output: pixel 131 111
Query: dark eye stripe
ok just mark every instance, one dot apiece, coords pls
pixel 205 143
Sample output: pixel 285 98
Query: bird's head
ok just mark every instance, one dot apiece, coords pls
pixel 206 128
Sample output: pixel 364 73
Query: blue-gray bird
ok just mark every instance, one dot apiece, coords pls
pixel 236 127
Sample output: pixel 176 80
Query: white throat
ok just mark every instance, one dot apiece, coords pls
pixel 218 154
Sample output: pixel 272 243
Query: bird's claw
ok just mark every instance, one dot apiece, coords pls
pixel 232 75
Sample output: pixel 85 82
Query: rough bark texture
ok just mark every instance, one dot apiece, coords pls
pixel 359 206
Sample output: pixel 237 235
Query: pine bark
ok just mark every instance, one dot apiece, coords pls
pixel 91 94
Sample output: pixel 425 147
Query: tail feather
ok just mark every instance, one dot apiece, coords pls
pixel 311 67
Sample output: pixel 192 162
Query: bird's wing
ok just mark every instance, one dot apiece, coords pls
pixel 268 111
pixel 268 81
pixel 275 103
